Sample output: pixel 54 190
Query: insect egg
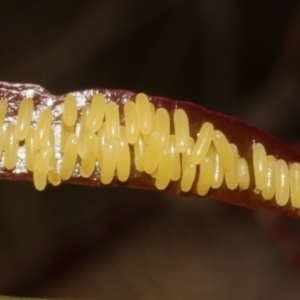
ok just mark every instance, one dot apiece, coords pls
pixel 282 182
pixel 260 166
pixel 10 147
pixel 123 157
pixel 3 109
pixel 205 176
pixel 295 184
pixel 182 130
pixel 269 191
pixel 223 149
pixel 41 167
pixel 203 143
pixel 131 122
pixel 69 116
pixel 243 173
pixel 165 168
pixel 144 113
pixel 42 129
pixel 96 115
pixel 24 118
pixel 231 175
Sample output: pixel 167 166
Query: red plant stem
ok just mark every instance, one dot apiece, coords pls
pixel 237 132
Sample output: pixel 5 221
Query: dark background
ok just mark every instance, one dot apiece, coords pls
pixel 238 57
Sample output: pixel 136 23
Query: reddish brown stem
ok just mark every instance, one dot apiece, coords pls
pixel 237 132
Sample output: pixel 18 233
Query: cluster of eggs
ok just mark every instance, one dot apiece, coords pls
pixel 146 139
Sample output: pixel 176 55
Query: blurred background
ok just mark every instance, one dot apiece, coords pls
pixel 241 58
